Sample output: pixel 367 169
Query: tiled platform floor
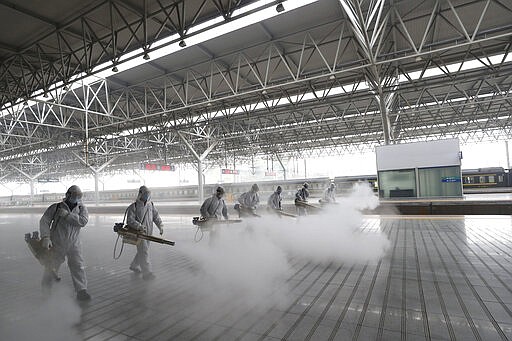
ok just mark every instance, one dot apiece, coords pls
pixel 442 278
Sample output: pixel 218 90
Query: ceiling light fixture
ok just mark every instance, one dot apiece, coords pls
pixel 145 56
pixel 279 8
pixel 115 69
pixel 182 43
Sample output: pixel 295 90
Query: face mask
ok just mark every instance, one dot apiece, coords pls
pixel 74 200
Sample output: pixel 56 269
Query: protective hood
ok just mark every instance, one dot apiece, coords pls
pixel 74 195
pixel 144 194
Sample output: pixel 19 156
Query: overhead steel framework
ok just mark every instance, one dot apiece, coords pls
pixel 362 73
pixel 100 31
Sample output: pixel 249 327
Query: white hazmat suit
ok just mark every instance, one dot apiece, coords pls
pixel 63 237
pixel 215 206
pixel 248 202
pixel 140 216
pixel 274 201
pixel 329 194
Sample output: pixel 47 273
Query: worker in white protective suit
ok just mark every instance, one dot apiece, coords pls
pixel 215 206
pixel 329 194
pixel 60 228
pixel 274 201
pixel 248 202
pixel 140 216
pixel 302 196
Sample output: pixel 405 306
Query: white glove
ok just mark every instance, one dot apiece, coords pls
pixel 46 243
pixel 62 213
pixel 161 228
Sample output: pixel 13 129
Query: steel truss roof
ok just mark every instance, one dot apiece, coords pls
pixel 331 77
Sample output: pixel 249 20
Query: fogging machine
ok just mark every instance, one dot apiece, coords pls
pixel 203 222
pixel 131 236
pixel 44 256
pixel 244 210
pixel 301 203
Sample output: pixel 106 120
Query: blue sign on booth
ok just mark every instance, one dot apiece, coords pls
pixel 450 179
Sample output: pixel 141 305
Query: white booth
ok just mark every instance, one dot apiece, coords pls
pixel 420 169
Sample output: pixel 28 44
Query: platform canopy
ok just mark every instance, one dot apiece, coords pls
pixel 107 84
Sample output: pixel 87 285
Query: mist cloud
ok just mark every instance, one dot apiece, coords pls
pixel 250 262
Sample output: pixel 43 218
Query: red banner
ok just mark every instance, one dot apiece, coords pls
pixel 230 171
pixel 157 167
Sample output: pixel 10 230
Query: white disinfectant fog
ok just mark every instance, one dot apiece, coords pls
pixel 53 318
pixel 337 233
pixel 251 262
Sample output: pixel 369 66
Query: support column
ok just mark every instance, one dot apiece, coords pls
pixel 282 166
pixel 96 189
pixel 12 191
pixel 200 188
pixel 368 31
pixel 200 159
pixel 384 115
pixel 234 168
pixel 31 191
pixel 508 154
pixel 31 180
pixel 96 173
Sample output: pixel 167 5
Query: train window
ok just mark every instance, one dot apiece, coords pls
pixel 481 179
pixel 500 178
pixel 491 179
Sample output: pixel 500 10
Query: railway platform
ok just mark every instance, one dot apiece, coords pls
pixel 440 278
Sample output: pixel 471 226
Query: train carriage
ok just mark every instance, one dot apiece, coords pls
pixel 474 181
pixel 485 178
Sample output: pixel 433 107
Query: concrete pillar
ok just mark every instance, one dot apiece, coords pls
pixel 200 187
pixel 96 188
pixel 31 191
pixel 508 155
